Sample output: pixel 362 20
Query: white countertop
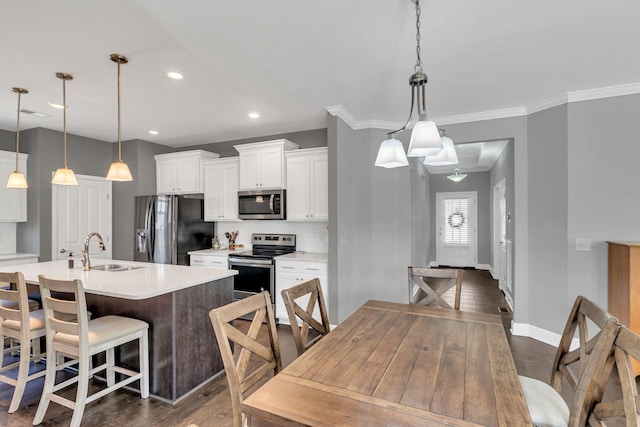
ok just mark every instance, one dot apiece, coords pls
pixel 218 252
pixel 149 281
pixel 305 256
pixel 10 257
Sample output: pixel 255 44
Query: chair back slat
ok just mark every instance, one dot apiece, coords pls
pixel 625 347
pixel 66 310
pixel 569 365
pixel 301 319
pixel 17 308
pixel 242 375
pixel 422 292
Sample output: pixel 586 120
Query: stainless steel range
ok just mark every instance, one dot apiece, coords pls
pixel 256 268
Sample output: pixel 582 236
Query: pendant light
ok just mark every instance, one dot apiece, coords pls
pixel 64 175
pixel 425 138
pixel 17 179
pixel 457 176
pixel 447 156
pixel 119 171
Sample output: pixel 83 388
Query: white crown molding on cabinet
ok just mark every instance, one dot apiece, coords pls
pixel 566 98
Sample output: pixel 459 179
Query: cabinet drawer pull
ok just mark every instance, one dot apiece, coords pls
pixel 312 269
pixel 287 267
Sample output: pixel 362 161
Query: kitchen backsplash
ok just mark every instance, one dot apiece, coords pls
pixel 310 236
pixel 7 237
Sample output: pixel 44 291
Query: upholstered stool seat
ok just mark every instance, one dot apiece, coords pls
pixel 546 405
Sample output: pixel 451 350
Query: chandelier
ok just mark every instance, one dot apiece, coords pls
pixel 425 137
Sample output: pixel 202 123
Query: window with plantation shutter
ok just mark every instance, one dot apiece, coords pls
pixel 456 224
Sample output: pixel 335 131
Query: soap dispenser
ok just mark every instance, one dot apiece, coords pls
pixel 70 259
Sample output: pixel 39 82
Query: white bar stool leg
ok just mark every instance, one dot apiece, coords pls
pixel 144 364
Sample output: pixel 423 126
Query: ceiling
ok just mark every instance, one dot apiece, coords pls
pixel 473 157
pixel 289 59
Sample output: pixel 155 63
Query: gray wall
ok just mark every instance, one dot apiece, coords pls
pixel 420 215
pixel 603 201
pixel 8 141
pixel 370 228
pixel 475 181
pixel 306 139
pixel 548 217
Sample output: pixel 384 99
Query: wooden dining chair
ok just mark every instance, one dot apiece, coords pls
pixel 245 373
pixel 23 328
pixel 70 334
pixel 422 291
pixel 313 293
pixel 577 368
pixel 625 347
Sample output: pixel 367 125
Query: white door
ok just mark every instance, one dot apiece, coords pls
pixel 500 234
pixel 456 224
pixel 76 212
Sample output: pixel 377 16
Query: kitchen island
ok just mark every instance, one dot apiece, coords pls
pixel 175 300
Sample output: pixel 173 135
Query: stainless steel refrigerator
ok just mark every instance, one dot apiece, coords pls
pixel 167 227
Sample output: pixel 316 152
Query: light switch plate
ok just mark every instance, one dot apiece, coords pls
pixel 583 245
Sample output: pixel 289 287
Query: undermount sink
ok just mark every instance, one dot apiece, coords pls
pixel 115 267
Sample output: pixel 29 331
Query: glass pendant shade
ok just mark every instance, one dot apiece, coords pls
pixel 17 180
pixel 64 176
pixel 457 176
pixel 425 139
pixel 391 154
pixel 119 171
pixel 446 157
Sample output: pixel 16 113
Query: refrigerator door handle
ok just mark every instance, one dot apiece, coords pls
pixel 151 243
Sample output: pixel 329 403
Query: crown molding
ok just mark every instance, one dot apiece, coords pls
pixel 569 97
pixel 604 92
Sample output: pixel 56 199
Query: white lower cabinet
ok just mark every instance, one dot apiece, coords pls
pixel 213 261
pixel 292 273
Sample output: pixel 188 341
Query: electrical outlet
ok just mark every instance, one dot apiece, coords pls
pixel 583 245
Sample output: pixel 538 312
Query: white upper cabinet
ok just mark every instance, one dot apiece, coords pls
pixel 181 172
pixel 308 185
pixel 262 164
pixel 221 189
pixel 14 200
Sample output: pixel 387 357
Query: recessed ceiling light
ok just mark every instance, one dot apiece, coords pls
pixel 57 106
pixel 174 75
pixel 254 115
pixel 153 132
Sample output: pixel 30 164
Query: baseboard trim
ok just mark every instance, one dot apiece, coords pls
pixel 539 334
pixel 484 267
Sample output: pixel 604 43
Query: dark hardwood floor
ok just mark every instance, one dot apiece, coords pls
pixel 211 405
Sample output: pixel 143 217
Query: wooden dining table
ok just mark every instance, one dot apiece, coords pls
pixel 391 364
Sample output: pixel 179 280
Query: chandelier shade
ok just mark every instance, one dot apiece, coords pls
pixel 457 176
pixel 446 157
pixel 391 154
pixel 64 175
pixel 17 179
pixel 425 139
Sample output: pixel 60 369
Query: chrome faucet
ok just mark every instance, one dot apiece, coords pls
pixel 86 262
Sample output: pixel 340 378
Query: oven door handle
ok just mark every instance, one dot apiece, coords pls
pixel 249 263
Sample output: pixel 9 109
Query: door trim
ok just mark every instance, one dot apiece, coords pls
pixel 474 233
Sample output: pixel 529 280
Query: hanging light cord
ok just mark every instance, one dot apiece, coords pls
pixel 18 130
pixel 119 133
pixel 64 119
pixel 418 79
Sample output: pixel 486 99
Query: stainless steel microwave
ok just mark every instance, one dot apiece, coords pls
pixel 262 204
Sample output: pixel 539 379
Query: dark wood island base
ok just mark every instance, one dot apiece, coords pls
pixel 183 353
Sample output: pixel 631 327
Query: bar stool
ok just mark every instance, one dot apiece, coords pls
pixel 79 339
pixel 23 328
